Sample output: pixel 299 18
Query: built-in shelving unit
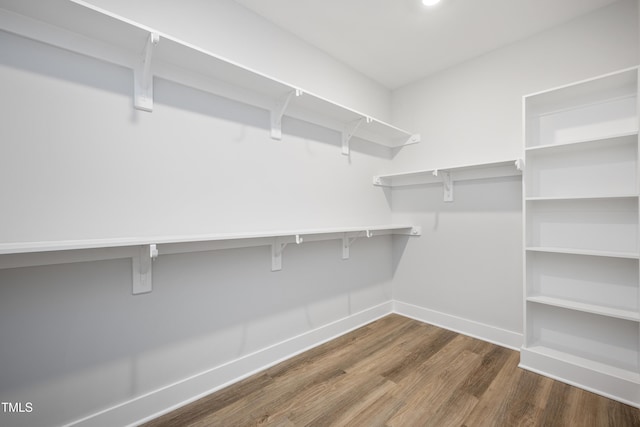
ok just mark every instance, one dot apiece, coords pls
pixel 143 251
pixel 448 175
pixel 582 233
pixel 83 28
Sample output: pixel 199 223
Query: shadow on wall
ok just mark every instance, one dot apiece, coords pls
pixel 39 58
pixel 399 246
pixel 200 102
pixel 469 196
pixel 70 328
pixel 424 204
pixel 64 65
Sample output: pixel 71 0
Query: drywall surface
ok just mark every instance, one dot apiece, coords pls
pixel 468 263
pixel 466 269
pixel 77 162
pixel 236 33
pixel 76 342
pixel 472 113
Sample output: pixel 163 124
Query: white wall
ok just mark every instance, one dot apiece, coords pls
pixel 75 341
pixel 466 270
pixel 90 166
pixel 473 112
pixel 77 161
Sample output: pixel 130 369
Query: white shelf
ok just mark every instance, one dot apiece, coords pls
pixel 602 339
pixel 585 224
pixel 582 143
pixel 582 362
pixel 610 254
pixel 585 92
pixel 80 27
pixel 143 250
pixel 581 216
pixel 459 173
pixel 597 281
pixel 448 175
pixel 65 245
pixel 592 197
pixel 600 378
pixel 594 109
pixel 582 170
pixel 587 308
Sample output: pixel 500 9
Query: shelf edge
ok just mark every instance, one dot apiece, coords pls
pixel 630 315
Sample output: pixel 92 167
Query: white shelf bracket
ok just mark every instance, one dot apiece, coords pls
pixel 142 269
pixel 345 246
pixel 347 242
pixel 278 112
pixel 411 139
pixel 277 247
pixel 519 164
pixel 447 184
pixel 143 78
pixel 349 130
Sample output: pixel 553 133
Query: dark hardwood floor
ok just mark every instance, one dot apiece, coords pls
pixel 401 372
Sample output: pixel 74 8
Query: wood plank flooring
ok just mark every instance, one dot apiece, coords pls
pixel 401 372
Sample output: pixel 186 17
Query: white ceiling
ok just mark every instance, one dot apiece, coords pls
pixel 396 42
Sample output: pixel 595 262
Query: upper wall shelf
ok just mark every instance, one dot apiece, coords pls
pixel 450 174
pixel 83 28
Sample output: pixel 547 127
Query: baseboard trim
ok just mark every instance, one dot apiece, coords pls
pixel 494 335
pixel 159 402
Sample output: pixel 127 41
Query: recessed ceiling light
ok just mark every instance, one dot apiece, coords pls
pixel 430 2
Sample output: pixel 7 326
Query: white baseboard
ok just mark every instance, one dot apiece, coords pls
pixel 162 401
pixel 481 331
pixel 171 397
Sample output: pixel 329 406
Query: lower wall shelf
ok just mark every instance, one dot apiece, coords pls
pixel 143 251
